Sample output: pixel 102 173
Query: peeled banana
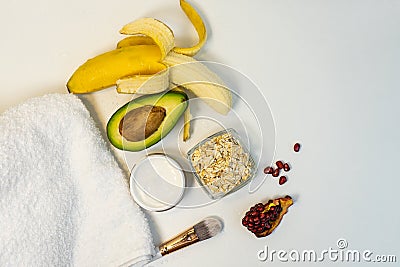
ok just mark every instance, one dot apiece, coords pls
pixel 148 62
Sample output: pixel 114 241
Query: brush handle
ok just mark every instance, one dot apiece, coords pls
pixel 182 240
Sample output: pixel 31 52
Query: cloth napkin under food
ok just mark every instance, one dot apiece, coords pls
pixel 64 201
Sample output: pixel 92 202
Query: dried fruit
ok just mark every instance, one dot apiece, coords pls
pixel 262 219
pixel 282 180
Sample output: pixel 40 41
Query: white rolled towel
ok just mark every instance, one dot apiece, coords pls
pixel 64 201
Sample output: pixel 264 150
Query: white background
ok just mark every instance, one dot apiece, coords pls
pixel 329 70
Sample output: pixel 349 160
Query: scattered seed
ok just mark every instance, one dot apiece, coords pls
pixel 276 173
pixel 286 167
pixel 282 180
pixel 296 147
pixel 279 164
pixel 268 170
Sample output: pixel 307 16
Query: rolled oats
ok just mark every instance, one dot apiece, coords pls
pixel 221 163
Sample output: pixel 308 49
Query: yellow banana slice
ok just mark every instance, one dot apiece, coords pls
pixel 104 70
pixel 155 29
pixel 199 26
pixel 155 82
pixel 193 75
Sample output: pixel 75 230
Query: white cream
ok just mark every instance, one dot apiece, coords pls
pixel 157 182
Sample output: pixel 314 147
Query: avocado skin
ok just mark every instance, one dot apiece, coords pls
pixel 175 103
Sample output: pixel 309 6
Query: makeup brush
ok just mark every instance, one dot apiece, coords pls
pixel 203 230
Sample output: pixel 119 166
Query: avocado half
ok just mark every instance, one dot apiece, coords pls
pixel 145 120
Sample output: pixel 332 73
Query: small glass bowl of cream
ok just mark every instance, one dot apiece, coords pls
pixel 157 182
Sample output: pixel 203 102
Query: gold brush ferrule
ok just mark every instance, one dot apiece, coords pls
pixel 182 240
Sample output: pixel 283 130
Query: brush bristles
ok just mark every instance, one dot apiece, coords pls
pixel 207 228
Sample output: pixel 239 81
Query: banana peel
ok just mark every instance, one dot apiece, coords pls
pixel 159 32
pixel 199 26
pixel 135 40
pixel 200 80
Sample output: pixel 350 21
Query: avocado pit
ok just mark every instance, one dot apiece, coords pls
pixel 141 122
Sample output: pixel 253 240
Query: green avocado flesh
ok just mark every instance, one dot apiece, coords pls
pixel 145 120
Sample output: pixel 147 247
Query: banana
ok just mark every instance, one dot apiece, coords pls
pixel 104 70
pixel 153 83
pixel 148 62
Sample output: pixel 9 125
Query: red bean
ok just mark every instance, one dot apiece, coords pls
pixel 286 167
pixel 296 147
pixel 282 180
pixel 279 164
pixel 268 170
pixel 276 173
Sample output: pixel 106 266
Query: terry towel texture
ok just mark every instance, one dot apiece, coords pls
pixel 64 201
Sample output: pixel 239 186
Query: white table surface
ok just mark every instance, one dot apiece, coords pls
pixel 330 73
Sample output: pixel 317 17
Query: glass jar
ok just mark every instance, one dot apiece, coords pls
pixel 221 163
